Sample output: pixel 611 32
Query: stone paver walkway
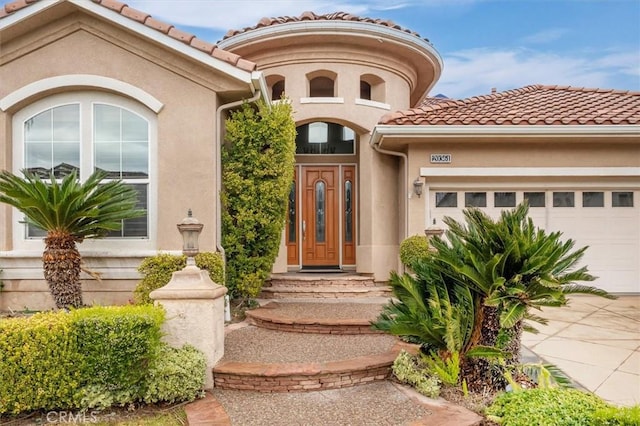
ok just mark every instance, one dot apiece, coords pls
pixel 596 342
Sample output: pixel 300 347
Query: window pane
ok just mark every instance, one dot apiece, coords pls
pixel 277 90
pixel 38 128
pixel 475 199
pixel 135 160
pixel 504 199
pixel 138 227
pixel 365 90
pixel 66 123
pixel 108 159
pixel 446 199
pixel 134 128
pixel 535 199
pixel 593 199
pixel 121 143
pixel 320 212
pixel 318 132
pixel 348 212
pixel 52 141
pixel 622 199
pixel 563 199
pixel 292 213
pixel 107 123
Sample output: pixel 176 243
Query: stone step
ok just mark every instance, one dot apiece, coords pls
pixel 264 360
pixel 323 292
pixel 321 318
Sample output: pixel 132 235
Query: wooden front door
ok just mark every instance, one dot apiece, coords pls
pixel 320 215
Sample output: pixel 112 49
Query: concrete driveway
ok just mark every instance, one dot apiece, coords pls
pixel 596 342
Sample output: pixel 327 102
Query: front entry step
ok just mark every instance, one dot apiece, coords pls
pixel 323 286
pixel 273 361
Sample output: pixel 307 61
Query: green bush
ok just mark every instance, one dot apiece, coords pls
pixel 545 407
pixel 92 357
pixel 408 369
pixel 39 363
pixel 412 249
pixel 157 270
pixel 175 375
pixel 617 416
pixel 258 160
pixel 116 345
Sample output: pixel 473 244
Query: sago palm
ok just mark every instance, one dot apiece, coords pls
pixel 512 267
pixel 69 211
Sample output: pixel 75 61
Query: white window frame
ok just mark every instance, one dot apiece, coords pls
pixel 87 100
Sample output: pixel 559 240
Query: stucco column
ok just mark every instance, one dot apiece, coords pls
pixel 195 314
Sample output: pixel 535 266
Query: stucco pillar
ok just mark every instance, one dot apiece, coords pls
pixel 194 305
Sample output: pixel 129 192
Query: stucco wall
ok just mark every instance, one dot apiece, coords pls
pixel 184 173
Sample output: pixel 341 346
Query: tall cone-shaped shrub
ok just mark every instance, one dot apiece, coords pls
pixel 257 170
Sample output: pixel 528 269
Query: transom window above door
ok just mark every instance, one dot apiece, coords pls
pixel 325 138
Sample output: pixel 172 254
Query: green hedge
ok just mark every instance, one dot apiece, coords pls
pixel 39 362
pixel 157 270
pixel 176 375
pixel 92 357
pixel 258 159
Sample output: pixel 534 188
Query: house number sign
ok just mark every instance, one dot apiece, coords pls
pixel 440 158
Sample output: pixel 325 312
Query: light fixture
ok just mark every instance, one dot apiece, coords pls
pixel 417 186
pixel 190 229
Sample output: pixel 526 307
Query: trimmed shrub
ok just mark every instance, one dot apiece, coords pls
pixel 116 345
pixel 617 416
pixel 258 160
pixel 39 363
pixel 157 271
pixel 93 357
pixel 545 407
pixel 175 375
pixel 412 249
pixel 407 369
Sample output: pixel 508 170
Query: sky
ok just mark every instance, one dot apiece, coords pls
pixel 485 44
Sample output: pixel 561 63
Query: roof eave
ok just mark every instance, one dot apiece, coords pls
pixel 382 131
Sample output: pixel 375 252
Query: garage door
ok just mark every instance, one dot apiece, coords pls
pixel 608 221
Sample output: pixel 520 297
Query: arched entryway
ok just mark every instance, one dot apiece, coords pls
pixel 321 220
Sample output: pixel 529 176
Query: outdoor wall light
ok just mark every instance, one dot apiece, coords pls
pixel 417 186
pixel 190 229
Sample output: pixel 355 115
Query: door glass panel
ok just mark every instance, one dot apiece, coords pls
pixel 563 199
pixel 475 199
pixel 348 212
pixel 320 212
pixel 593 199
pixel 292 213
pixel 535 199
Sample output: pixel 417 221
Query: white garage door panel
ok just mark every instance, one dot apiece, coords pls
pixel 612 233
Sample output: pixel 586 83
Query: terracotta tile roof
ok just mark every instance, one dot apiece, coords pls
pixel 163 27
pixel 530 105
pixel 310 16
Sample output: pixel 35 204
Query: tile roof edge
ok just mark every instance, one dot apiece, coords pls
pixel 141 17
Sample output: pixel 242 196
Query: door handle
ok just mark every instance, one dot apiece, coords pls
pixel 304 230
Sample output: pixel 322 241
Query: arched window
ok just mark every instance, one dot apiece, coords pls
pixel 365 90
pixel 277 90
pixel 85 132
pixel 325 138
pixel 321 87
pixel 372 88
